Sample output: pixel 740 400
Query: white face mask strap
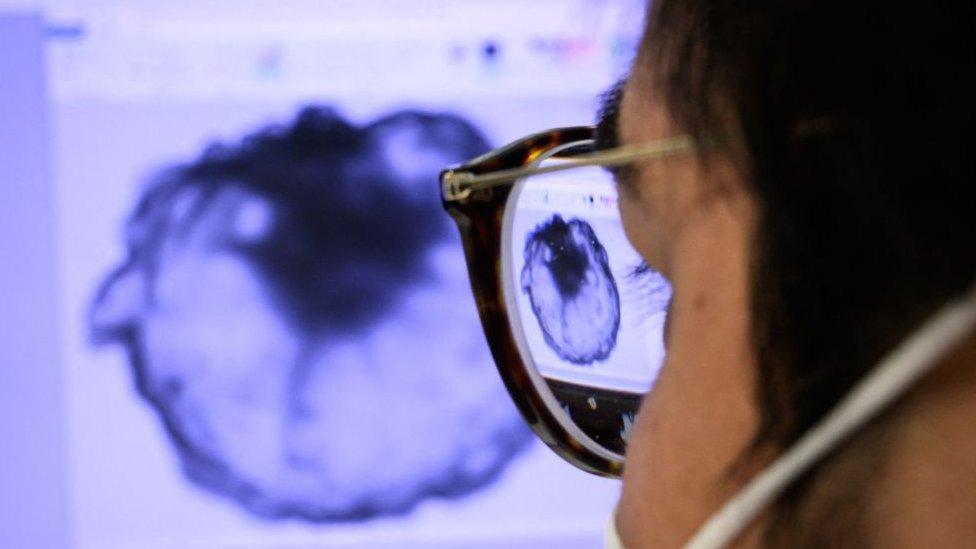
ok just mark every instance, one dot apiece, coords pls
pixel 915 356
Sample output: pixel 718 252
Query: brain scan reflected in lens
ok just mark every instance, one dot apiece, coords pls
pixel 572 291
pixel 277 303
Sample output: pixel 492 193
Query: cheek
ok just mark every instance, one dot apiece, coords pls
pixel 689 431
pixel 644 231
pixel 701 415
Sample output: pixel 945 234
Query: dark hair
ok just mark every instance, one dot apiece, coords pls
pixel 857 125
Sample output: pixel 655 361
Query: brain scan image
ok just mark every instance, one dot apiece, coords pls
pixel 295 310
pixel 573 294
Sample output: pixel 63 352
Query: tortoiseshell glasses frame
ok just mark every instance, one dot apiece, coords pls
pixel 475 195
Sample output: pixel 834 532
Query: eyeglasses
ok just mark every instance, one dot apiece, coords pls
pixel 573 317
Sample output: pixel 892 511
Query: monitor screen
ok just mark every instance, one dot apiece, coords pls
pixel 268 335
pixel 609 335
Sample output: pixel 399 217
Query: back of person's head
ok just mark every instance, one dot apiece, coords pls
pixel 856 125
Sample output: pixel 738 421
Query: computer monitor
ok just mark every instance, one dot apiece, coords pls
pixel 266 334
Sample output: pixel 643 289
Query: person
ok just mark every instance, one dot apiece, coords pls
pixel 826 215
pixel 273 300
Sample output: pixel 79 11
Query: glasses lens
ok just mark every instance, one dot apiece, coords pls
pixel 587 316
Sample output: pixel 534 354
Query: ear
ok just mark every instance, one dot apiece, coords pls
pixel 119 303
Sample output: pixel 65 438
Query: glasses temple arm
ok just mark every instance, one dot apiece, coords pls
pixel 458 185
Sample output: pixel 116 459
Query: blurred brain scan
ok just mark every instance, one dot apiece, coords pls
pixel 296 311
pixel 572 291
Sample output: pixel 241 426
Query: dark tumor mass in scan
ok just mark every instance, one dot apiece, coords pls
pixel 569 263
pixel 571 289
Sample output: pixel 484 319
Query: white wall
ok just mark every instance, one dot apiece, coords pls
pixel 32 475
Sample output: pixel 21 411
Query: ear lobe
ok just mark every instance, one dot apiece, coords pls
pixel 118 304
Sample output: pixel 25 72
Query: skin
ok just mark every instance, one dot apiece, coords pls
pixel 701 415
pixel 695 224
